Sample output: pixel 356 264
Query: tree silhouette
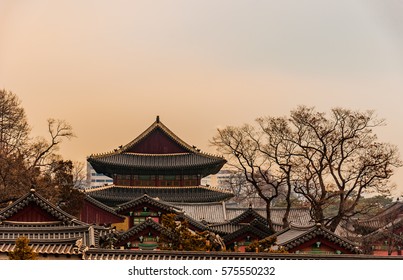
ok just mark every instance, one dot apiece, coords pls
pixel 179 237
pixel 22 250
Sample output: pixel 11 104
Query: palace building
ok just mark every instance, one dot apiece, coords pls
pixel 157 173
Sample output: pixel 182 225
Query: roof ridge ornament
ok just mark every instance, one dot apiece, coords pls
pixel 158 119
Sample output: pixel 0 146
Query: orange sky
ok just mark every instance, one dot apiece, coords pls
pixel 109 67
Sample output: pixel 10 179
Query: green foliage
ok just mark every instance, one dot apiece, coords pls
pixel 22 250
pixel 373 205
pixel 265 245
pixel 179 237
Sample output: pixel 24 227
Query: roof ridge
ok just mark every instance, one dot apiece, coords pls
pixel 156 124
pixel 57 212
pixel 132 202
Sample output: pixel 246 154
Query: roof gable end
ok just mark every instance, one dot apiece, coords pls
pixel 32 207
pixel 157 139
pixel 147 201
pixel 248 216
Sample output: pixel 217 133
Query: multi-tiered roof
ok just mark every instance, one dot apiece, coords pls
pixel 157 151
pixel 160 164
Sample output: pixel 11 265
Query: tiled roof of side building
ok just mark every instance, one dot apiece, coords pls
pixel 41 202
pixel 223 212
pixel 381 219
pixel 102 206
pixel 250 214
pixel 389 230
pixel 146 199
pixel 149 223
pixel 209 213
pixel 117 254
pixel 231 227
pixel 225 228
pixel 244 230
pixel 294 236
pixel 299 216
pixel 54 239
pixel 60 247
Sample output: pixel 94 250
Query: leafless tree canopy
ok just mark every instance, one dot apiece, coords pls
pixel 329 159
pixel 26 162
pixel 251 152
pixel 14 129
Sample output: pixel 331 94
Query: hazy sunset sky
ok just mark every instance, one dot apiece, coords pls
pixel 110 67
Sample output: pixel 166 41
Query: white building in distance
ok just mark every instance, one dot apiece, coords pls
pixel 95 179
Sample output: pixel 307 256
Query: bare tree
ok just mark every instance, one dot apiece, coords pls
pixel 25 162
pixel 338 159
pixel 329 160
pixel 14 129
pixel 14 137
pixel 243 146
pixel 275 148
pixel 244 193
pixel 79 175
pixel 43 151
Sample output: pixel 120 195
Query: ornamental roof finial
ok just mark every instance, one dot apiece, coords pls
pixel 158 119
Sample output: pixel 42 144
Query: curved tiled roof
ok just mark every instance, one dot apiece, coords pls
pixel 148 200
pixel 116 254
pixel 34 197
pixel 213 212
pixel 157 125
pixel 60 247
pixel 102 206
pixel 149 223
pixel 300 216
pixel 382 219
pixel 243 230
pixel 225 228
pixel 294 236
pixel 248 213
pixel 115 195
pixel 125 161
pixel 49 239
pixel 133 163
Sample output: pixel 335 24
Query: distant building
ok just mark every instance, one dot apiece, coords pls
pixel 219 180
pixel 95 179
